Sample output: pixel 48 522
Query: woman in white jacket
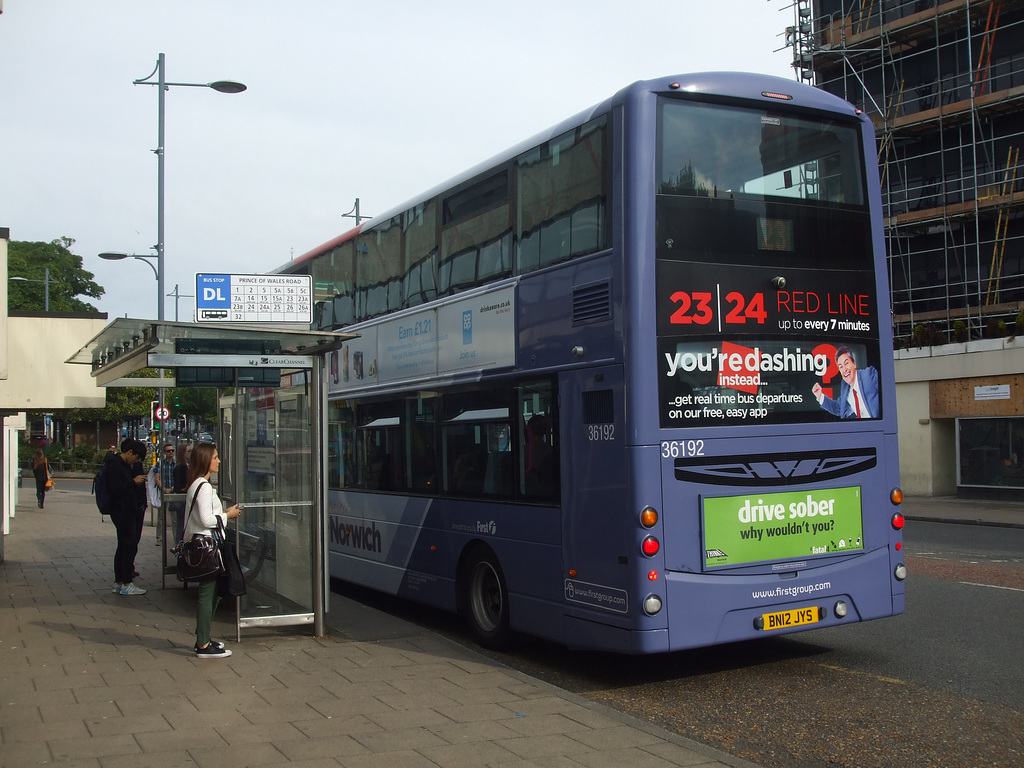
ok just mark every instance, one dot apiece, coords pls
pixel 202 518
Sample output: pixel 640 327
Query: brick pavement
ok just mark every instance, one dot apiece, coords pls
pixel 91 678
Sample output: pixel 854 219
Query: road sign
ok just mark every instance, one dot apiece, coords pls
pixel 254 298
pixel 162 414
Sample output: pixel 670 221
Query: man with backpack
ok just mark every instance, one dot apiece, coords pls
pixel 121 482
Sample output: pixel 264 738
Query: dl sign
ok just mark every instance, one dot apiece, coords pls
pixel 254 298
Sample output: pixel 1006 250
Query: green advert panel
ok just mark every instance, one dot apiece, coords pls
pixel 766 527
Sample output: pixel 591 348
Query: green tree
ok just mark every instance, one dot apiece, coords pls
pixel 68 279
pixel 200 402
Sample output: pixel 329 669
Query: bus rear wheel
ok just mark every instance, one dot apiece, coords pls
pixel 485 599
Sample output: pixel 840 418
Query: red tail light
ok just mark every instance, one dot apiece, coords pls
pixel 650 546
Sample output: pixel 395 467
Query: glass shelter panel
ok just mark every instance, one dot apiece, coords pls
pixel 276 528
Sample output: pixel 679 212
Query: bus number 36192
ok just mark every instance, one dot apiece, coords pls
pixel 677 449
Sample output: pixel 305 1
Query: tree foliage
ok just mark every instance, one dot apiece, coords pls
pixel 68 279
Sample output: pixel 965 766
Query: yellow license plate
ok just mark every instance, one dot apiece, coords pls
pixel 794 618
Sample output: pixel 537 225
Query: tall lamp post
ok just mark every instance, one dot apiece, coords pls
pixel 114 256
pixel 223 86
pixel 46 285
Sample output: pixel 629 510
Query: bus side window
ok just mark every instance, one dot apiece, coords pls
pixel 420 449
pixel 537 442
pixel 541 472
pixel 341 466
pixel 562 193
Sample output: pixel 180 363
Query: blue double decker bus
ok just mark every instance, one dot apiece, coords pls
pixel 627 386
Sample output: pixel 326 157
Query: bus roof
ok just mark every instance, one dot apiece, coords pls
pixel 741 85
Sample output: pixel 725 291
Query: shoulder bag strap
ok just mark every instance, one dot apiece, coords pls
pixel 193 504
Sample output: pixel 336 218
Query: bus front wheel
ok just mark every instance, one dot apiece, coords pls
pixel 485 599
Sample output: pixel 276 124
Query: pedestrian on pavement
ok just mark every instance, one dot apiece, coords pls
pixel 165 469
pixel 180 486
pixel 41 469
pixel 203 517
pixel 123 484
pixel 141 498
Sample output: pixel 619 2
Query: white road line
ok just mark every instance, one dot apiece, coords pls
pixel 993 586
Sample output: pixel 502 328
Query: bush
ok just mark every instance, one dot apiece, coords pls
pixel 995 329
pixel 928 336
pixel 960 332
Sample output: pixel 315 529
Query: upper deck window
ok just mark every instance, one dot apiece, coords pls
pixel 562 189
pixel 716 151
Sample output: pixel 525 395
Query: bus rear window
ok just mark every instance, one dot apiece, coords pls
pixel 715 151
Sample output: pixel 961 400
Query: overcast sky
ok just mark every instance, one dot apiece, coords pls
pixel 376 99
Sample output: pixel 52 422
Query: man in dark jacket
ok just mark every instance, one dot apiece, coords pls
pixel 121 483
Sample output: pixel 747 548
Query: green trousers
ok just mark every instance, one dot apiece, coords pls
pixel 208 602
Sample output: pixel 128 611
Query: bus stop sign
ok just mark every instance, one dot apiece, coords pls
pixel 254 298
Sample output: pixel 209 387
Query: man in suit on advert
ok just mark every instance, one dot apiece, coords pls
pixel 858 394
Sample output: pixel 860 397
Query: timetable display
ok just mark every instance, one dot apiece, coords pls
pixel 254 298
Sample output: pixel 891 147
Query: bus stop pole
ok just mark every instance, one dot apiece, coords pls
pixel 317 413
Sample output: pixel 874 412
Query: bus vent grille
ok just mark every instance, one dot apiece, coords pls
pixel 598 407
pixel 591 303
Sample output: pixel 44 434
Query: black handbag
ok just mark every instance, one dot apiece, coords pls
pixel 199 559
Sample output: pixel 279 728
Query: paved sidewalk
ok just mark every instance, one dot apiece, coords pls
pixel 91 678
pixel 951 509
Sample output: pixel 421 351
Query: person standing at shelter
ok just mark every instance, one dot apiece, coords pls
pixel 141 498
pixel 41 470
pixel 123 484
pixel 180 486
pixel 165 469
pixel 205 516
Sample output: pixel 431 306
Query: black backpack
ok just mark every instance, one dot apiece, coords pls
pixel 101 492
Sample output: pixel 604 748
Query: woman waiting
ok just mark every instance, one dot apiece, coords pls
pixel 180 486
pixel 41 469
pixel 203 518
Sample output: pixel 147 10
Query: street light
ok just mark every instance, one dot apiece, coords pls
pixel 144 257
pixel 222 86
pixel 178 296
pixel 45 281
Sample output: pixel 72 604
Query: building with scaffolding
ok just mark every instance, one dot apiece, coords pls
pixel 943 81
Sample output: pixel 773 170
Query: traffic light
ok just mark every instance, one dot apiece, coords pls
pixel 153 420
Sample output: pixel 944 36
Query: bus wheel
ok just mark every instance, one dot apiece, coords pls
pixel 485 599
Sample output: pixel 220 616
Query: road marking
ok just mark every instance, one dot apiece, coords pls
pixel 992 586
pixel 865 674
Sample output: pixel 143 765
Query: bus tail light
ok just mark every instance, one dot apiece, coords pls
pixel 652 605
pixel 648 517
pixel 896 495
pixel 901 572
pixel 650 546
pixel 897 521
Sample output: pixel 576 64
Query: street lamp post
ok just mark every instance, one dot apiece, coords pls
pixel 223 86
pixel 177 296
pixel 46 285
pixel 144 257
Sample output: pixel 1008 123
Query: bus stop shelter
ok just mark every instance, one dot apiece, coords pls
pixel 272 396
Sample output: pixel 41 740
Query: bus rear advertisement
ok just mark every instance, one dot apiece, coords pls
pixel 626 386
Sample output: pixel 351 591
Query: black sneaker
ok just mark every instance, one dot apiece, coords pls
pixel 213 651
pixel 214 643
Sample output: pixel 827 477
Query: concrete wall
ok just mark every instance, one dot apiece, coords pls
pixel 927 406
pixel 38 379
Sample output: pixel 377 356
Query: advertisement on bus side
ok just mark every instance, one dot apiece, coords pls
pixel 772 527
pixel 741 345
pixel 478 332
